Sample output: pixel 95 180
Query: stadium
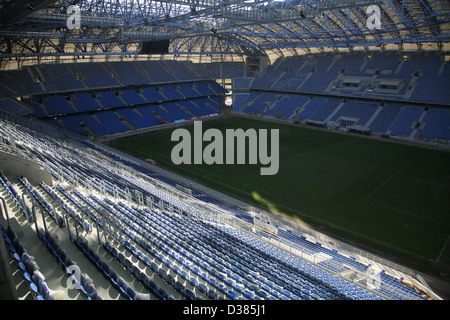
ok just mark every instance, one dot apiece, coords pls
pixel 347 101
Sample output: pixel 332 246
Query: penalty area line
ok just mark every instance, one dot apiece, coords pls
pixel 443 248
pixel 389 179
pixel 442 187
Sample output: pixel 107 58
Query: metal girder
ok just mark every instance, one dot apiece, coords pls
pixel 219 26
pixel 14 11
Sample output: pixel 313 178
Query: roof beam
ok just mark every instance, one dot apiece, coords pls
pixel 14 11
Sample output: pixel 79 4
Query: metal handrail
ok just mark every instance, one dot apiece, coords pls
pixel 34 216
pixel 5 209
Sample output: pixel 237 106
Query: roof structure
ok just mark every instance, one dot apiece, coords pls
pixel 52 28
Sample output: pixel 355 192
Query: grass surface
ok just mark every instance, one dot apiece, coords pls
pixel 390 198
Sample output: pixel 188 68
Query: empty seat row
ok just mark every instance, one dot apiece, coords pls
pixel 25 264
pixel 82 284
pixel 200 255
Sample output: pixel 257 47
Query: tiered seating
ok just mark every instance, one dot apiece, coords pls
pixel 428 84
pixel 311 108
pixel 353 109
pixel 287 105
pixel 57 104
pixel 402 126
pixel 80 283
pixel 127 73
pixel 87 107
pixel 291 79
pixel 26 265
pixel 19 83
pixel 240 99
pixel 348 64
pixel 273 72
pixel 58 77
pixel 170 93
pixel 14 106
pixel 384 61
pixel 422 77
pixel 156 71
pixel 325 110
pixel 180 70
pixel 96 76
pixel 131 97
pixel 322 74
pixel 173 112
pixel 205 89
pixel 58 92
pixel 436 124
pixel 259 102
pixel 137 120
pixel 109 123
pixel 15 196
pixel 194 253
pixel 59 220
pixel 109 99
pixel 216 88
pixel 72 122
pixel 385 118
pixel 198 107
pixel 152 94
pixel 84 102
pixel 187 91
pixel 318 80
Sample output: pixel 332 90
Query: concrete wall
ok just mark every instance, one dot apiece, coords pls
pixel 15 166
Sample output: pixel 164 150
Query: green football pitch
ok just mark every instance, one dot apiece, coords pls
pixel 389 198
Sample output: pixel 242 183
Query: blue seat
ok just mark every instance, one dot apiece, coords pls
pixel 34 289
pixel 232 295
pixel 153 285
pixel 196 270
pixel 203 276
pixel 184 275
pixel 202 288
pixel 229 282
pixel 190 294
pixel 121 283
pixel 193 281
pixel 131 292
pixel 163 293
pixel 212 281
pixel 16 257
pixel 221 288
pixel 248 294
pixel 221 276
pixel 275 293
pixel 22 267
pixel 212 294
pixel 263 294
pixel 287 293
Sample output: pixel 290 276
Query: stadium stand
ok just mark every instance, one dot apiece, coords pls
pixel 383 93
pixel 121 97
pixel 403 125
pixel 92 112
pixel 383 76
pixel 385 118
pixel 83 221
pixel 183 252
pixel 435 124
